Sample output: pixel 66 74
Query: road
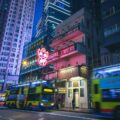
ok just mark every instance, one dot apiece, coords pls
pixel 8 114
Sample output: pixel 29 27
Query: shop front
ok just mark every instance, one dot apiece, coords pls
pixel 75 87
pixel 77 91
pixel 60 93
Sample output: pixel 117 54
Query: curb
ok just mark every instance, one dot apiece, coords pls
pixel 88 112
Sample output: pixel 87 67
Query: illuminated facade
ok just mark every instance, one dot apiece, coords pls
pixel 67 65
pixel 70 75
pixel 34 63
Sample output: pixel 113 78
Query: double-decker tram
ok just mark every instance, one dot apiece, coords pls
pixel 106 91
pixel 33 96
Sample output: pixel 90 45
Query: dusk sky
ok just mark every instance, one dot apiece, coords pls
pixel 38 13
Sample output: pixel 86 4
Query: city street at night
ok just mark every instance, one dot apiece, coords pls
pixel 54 115
pixel 59 59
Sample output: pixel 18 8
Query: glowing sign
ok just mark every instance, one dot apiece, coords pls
pixel 48 90
pixel 61 90
pixel 42 56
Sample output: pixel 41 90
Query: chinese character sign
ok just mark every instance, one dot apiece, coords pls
pixel 42 56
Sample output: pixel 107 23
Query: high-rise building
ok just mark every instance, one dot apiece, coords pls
pixel 54 12
pixel 110 10
pixel 4 8
pixel 18 31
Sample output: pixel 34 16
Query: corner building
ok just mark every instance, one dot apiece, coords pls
pixel 70 59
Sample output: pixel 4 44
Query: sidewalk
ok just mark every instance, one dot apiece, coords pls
pixel 83 110
pixel 2 107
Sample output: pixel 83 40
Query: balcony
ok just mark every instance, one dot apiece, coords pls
pixel 66 36
pixel 30 69
pixel 76 48
pixel 112 43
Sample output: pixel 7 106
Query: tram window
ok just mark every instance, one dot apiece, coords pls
pixel 81 92
pixel 96 88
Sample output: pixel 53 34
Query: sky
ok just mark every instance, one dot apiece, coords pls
pixel 38 13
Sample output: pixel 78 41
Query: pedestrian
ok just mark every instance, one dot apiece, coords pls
pixel 59 101
pixel 73 104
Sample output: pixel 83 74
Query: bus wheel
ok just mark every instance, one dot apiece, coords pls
pixel 117 113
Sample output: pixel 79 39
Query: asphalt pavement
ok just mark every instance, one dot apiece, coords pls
pixel 12 114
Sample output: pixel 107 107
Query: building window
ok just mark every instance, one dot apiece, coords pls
pixel 111 30
pixel 81 82
pixel 75 84
pixel 69 92
pixel 70 84
pixel 81 92
pixel 96 88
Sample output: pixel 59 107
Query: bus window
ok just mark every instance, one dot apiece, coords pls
pixel 12 97
pixel 20 97
pixel 14 91
pixel 32 89
pixel 33 97
pixel 96 88
pixel 47 97
pixel 111 95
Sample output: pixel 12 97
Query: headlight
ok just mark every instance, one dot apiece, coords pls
pixel 41 104
pixel 52 104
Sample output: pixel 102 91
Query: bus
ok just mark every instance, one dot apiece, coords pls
pixel 2 99
pixel 106 91
pixel 11 96
pixel 32 96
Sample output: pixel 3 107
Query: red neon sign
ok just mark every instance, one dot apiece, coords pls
pixel 42 56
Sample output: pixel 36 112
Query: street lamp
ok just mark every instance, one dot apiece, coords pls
pixel 24 63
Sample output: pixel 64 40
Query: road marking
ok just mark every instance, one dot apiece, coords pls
pixel 72 116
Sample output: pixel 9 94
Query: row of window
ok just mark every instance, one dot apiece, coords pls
pixel 110 59
pixel 111 30
pixel 71 91
pixel 113 10
pixel 3 64
pixel 76 83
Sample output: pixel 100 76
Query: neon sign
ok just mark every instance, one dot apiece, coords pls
pixel 42 56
